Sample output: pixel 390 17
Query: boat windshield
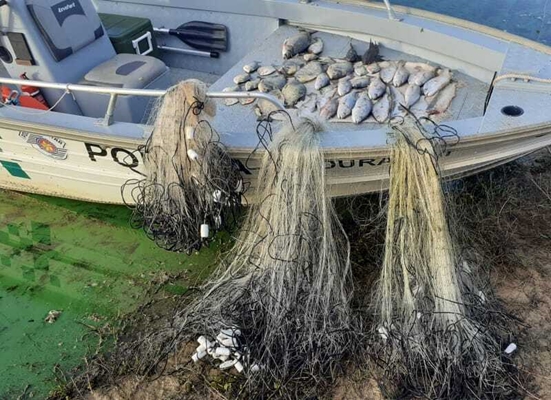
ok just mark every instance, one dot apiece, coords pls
pixel 528 18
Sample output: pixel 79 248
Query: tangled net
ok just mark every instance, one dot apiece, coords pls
pixel 193 187
pixel 286 285
pixel 438 336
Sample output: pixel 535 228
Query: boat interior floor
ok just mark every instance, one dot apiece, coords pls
pixel 241 119
pixel 468 103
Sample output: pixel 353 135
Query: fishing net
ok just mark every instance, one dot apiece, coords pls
pixel 192 187
pixel 285 287
pixel 438 336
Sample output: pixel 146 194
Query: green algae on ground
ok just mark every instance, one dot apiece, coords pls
pixel 79 258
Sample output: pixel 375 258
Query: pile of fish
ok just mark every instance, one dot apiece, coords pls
pixel 226 348
pixel 353 88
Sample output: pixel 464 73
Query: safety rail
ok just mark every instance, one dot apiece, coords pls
pixel 115 92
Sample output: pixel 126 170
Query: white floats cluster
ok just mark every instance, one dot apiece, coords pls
pixel 227 349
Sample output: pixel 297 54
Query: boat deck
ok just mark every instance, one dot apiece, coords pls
pixel 238 119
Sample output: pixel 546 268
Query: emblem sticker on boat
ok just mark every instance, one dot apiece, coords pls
pixel 47 145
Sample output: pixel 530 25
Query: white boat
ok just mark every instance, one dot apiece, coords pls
pixel 87 147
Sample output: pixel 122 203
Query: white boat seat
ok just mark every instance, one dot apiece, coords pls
pixel 128 71
pixel 66 26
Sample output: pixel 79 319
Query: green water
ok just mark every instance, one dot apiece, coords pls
pixel 79 258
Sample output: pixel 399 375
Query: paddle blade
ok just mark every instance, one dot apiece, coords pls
pixel 203 35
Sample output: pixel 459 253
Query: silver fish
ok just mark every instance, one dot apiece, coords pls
pixel 397 100
pixel 360 82
pixel 308 104
pixel 231 102
pixel 290 67
pixel 251 67
pixel 309 72
pixel 339 70
pixel 436 84
pixel 373 68
pixel 421 76
pixel 252 85
pixel 360 70
pixel 316 47
pixel 327 95
pixel 272 83
pixel 401 75
pixel 247 100
pixel 295 45
pixel 376 88
pixel 321 81
pixel 278 95
pixel 265 108
pixel 346 104
pixel 387 73
pixel 444 99
pixel 266 70
pixel 420 109
pixel 293 92
pixel 381 109
pixel 241 79
pixel 344 86
pixel 326 60
pixel 362 108
pixel 413 93
pixel 329 109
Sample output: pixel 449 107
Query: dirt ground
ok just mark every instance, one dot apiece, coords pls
pixel 505 215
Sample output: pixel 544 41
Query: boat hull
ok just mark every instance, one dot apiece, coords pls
pixel 91 171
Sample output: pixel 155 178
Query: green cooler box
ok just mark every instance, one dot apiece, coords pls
pixel 130 34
